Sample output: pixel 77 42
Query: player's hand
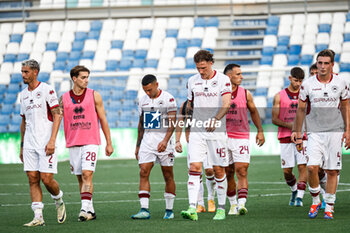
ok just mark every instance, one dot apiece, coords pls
pixel 293 137
pixel 162 146
pixel 211 127
pixel 50 148
pixel 299 146
pixel 109 150
pixel 260 138
pixel 346 140
pixel 178 147
pixel 137 152
pixel 21 154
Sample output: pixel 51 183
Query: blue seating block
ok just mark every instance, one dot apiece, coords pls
pixel 266 60
pixel 145 33
pixel 96 25
pixel 117 44
pixel 15 78
pixel 283 40
pixel 6 109
pixel 212 22
pixel 4 119
pixel 346 37
pixel 138 63
pixel 111 65
pixel 182 43
pixel 9 57
pixel 71 64
pixel 271 30
pixel 80 36
pixel 16 119
pixel 32 27
pixel 281 49
pixel 59 65
pixel 293 60
pixel 77 45
pixel 62 56
pixel 16 38
pixel 140 54
pixel 268 51
pixel 200 22
pixel 261 91
pixel 324 28
pixel 294 49
pixel 43 76
pixel 151 63
pixel 190 63
pixel 172 33
pixel 93 35
pixel 195 42
pixel 345 67
pixel 125 64
pixel 13 128
pixel 74 56
pixel 273 21
pixel 88 55
pixel 3 89
pixel 13 88
pixel 347 17
pixel 320 47
pixel 306 59
pixel 180 52
pixel 51 46
pixel 22 57
pixel 10 98
pixel 129 54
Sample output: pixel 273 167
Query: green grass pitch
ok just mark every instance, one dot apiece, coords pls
pixel 115 200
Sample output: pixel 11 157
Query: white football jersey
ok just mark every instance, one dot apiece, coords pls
pixel 323 114
pixel 207 100
pixel 35 107
pixel 163 104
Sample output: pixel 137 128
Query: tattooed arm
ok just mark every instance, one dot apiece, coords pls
pixel 57 114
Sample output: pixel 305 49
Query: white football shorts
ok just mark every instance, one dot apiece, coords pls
pixel 238 150
pixel 325 150
pixel 290 155
pixel 36 160
pixel 165 158
pixel 83 158
pixel 215 151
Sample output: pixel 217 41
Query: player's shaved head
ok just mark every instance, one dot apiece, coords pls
pixel 297 72
pixel 230 67
pixel 147 79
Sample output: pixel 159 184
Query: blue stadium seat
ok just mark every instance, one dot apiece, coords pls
pixel 138 63
pixel 283 40
pixel 59 65
pixel 125 115
pixel 77 45
pixel 271 30
pixel 266 60
pixel 180 52
pixel 174 82
pixel 16 38
pixel 293 60
pixel 196 42
pixel 80 36
pixel 345 67
pixel 117 44
pixel 140 53
pixel 281 49
pixel 117 95
pixel 131 95
pixel 128 54
pixel 294 49
pixel 270 102
pixel 43 77
pixel 16 78
pixel 93 35
pixel 324 28
pixel 320 47
pixel 337 57
pixel 111 65
pixel 306 59
pixel 273 21
pixel 212 22
pixel 10 98
pixel 96 25
pixel 348 17
pixel 74 56
pixel 62 56
pixel 190 63
pixel 268 51
pixel 13 128
pixel 71 64
pixel 171 33
pixel 209 49
pixel 88 55
pixel 123 124
pixel 182 43
pixel 346 37
pixel 151 63
pixel 200 22
pixel 13 88
pixel 22 57
pixel 105 95
pixel 112 124
pixel 145 33
pixel 114 106
pixel 3 89
pixel 16 119
pixel 9 57
pixel 6 109
pixel 261 91
pixel 51 46
pixel 125 64
pixel 32 27
pixel 3 128
pixel 17 109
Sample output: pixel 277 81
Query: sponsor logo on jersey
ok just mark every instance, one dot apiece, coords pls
pixel 151 120
pixel 228 84
pixel 33 106
pixel 51 92
pixel 214 83
pixel 160 103
pixel 335 89
pixel 80 125
pixel 198 83
pixel 50 165
pixel 316 100
pixel 294 105
pixel 38 95
pixel 79 110
pixel 210 94
pixel 316 89
pixel 31 101
pixel 25 97
pixel 172 100
pixel 92 164
pixel 145 104
pixel 325 94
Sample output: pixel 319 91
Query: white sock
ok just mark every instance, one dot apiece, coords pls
pixel 38 207
pixel 193 188
pixel 58 198
pixel 293 188
pixel 210 182
pixel 315 195
pixel 91 207
pixel 169 200
pixel 201 193
pixel 144 198
pixel 221 187
pixel 242 201
pixel 85 205
pixel 232 199
pixel 330 200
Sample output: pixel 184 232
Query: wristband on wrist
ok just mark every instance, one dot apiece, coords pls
pixel 22 144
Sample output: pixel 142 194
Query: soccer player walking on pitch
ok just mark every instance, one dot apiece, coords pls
pixel 82 110
pixel 39 128
pixel 155 145
pixel 327 128
pixel 210 92
pixel 283 113
pixel 238 139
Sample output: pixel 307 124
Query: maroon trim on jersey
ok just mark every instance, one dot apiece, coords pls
pixel 77 98
pixel 160 92
pixel 234 93
pixel 291 95
pixel 22 115
pixel 49 114
pixel 328 81
pixel 34 87
pixel 225 93
pixel 54 106
pixel 308 108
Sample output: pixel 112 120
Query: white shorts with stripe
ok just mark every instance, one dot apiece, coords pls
pixel 37 160
pixel 238 150
pixel 291 156
pixel 83 158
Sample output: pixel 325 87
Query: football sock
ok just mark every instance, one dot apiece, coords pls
pixel 85 200
pixel 193 188
pixel 292 183
pixel 242 196
pixel 232 197
pixel 210 182
pixel 38 207
pixel 221 187
pixel 169 200
pixel 301 189
pixel 201 193
pixel 315 195
pixel 58 198
pixel 144 198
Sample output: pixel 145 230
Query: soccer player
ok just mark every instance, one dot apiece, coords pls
pixel 210 92
pixel 39 128
pixel 157 109
pixel 284 108
pixel 313 70
pixel 238 139
pixel 209 172
pixel 327 127
pixel 82 110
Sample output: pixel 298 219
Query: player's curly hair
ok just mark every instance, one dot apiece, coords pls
pixel 77 69
pixel 32 64
pixel 203 55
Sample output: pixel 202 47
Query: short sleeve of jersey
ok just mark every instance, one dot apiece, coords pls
pixel 171 104
pixel 189 90
pixel 51 97
pixel 303 93
pixel 225 85
pixel 345 92
pixel 139 108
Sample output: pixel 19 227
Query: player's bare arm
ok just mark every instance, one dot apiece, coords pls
pixel 172 119
pixel 226 99
pixel 60 105
pixel 260 138
pixel 23 130
pixel 103 120
pixel 178 130
pixel 296 136
pixel 275 113
pixel 140 131
pixel 57 117
pixel 344 108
